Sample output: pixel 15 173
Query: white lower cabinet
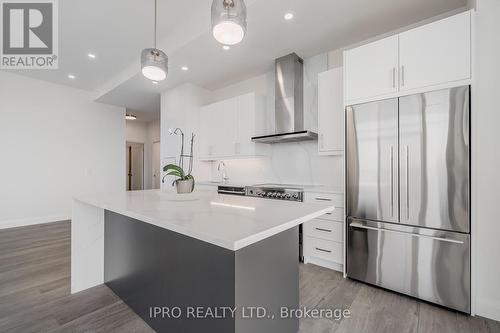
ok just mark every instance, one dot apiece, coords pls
pixel 324 229
pixel 324 236
pixel 324 249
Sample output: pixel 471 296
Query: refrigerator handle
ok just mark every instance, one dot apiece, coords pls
pixel 362 226
pixel 391 177
pixel 407 181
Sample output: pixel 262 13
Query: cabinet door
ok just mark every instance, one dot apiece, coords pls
pixel 330 112
pixel 205 138
pixel 246 125
pixel 225 127
pixel 371 69
pixel 435 53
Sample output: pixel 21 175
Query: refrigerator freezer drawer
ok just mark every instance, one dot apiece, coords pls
pixel 428 264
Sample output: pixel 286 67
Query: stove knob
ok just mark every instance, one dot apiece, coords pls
pixel 288 196
pixel 269 194
pixel 295 196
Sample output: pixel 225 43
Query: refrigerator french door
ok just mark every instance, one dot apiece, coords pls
pixel 408 195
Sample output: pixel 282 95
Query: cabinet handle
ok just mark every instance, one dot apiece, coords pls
pixel 321 229
pixel 394 77
pixel 323 250
pixel 402 76
pixel 323 199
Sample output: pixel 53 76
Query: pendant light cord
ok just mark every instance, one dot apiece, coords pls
pixel 155 24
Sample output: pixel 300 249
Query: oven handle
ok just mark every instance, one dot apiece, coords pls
pixel 231 192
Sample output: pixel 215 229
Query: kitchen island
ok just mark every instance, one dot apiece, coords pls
pixel 201 262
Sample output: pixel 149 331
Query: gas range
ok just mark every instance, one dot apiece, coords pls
pixel 275 191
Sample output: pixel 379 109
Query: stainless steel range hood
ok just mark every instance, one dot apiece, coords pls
pixel 289 103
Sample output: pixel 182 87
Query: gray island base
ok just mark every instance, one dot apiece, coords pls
pixel 177 283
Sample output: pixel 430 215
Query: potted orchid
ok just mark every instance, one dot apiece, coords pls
pixel 184 183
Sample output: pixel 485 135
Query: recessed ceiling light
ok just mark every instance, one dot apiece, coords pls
pixel 288 16
pixel 184 68
pixel 130 117
pixel 226 47
pixel 91 55
pixel 71 77
pixel 155 82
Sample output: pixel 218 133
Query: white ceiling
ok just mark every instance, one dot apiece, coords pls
pixel 117 30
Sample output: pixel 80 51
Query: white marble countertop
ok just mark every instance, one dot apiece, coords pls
pixel 232 222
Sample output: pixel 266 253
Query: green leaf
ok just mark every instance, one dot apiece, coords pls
pixel 174 173
pixel 174 168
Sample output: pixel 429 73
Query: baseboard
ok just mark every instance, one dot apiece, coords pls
pixel 324 263
pixel 487 309
pixel 6 224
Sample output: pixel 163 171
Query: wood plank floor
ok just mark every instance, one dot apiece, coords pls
pixel 35 296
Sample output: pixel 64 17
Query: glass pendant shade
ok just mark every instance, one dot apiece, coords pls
pixel 229 21
pixel 154 64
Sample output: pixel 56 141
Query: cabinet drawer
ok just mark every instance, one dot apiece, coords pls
pixel 323 249
pixel 324 229
pixel 337 215
pixel 336 199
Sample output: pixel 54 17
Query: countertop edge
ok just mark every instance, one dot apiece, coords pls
pixel 232 246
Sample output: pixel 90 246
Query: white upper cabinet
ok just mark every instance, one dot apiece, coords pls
pixel 433 56
pixel 330 112
pixel 227 128
pixel 371 69
pixel 435 53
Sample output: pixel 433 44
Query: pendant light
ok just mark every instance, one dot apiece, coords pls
pixel 154 62
pixel 229 21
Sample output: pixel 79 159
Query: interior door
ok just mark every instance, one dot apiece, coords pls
pixel 135 166
pixel 434 159
pixel 372 160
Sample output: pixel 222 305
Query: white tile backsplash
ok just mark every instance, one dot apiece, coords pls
pixel 288 163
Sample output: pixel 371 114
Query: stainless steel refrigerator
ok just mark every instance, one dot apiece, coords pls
pixel 408 195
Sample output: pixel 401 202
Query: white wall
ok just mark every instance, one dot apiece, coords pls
pixel 55 144
pixel 180 108
pixel 486 158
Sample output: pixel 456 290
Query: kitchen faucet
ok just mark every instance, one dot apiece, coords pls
pixel 222 166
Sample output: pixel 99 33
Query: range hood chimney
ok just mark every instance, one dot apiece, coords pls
pixel 289 103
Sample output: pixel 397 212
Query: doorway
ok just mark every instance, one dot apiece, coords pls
pixel 135 166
